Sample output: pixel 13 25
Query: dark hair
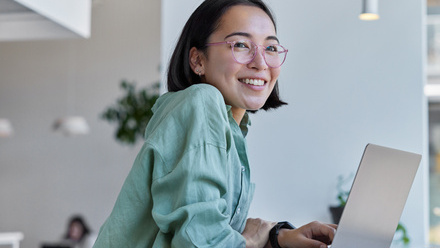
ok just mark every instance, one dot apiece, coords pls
pixel 79 219
pixel 201 24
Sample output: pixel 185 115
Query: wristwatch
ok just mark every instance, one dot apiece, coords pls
pixel 273 234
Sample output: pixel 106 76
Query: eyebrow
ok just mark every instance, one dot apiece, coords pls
pixel 250 36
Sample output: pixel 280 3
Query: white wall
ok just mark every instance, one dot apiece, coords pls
pixel 46 177
pixel 348 83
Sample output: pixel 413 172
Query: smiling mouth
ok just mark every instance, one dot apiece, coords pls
pixel 257 82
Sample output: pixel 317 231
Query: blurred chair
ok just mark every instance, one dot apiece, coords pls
pixel 11 238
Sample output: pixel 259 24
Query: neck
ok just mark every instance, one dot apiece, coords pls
pixel 238 114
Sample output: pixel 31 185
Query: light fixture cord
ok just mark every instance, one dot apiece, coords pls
pixel 72 77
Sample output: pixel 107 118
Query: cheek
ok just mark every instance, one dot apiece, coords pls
pixel 221 64
pixel 275 73
pixel 274 77
pixel 222 73
pixel 231 69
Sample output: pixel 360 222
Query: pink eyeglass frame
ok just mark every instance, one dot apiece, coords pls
pixel 255 54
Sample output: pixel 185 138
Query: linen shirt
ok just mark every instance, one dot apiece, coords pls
pixel 190 183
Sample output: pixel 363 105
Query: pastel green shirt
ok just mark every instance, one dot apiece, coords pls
pixel 190 183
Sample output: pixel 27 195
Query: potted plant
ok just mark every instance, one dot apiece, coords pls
pixel 132 112
pixel 336 210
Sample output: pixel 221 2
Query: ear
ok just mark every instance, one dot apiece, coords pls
pixel 196 61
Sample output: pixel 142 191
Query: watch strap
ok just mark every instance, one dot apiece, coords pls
pixel 273 234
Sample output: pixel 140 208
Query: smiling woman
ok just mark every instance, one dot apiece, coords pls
pixel 190 184
pixel 219 66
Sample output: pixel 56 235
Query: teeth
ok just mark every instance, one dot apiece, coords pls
pixel 257 82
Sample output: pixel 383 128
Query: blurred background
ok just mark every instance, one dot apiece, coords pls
pixel 46 176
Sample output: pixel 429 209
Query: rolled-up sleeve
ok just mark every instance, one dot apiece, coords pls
pixel 189 201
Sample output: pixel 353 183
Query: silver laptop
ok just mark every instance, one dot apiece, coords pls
pixel 377 198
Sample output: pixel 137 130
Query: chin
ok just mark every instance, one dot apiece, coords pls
pixel 255 107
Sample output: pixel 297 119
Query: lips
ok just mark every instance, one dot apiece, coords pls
pixel 257 82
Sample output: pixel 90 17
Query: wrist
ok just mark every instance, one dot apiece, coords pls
pixel 282 238
pixel 275 232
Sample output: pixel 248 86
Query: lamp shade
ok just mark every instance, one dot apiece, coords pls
pixel 369 10
pixel 72 125
pixel 5 128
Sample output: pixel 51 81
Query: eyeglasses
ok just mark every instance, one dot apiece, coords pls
pixel 244 52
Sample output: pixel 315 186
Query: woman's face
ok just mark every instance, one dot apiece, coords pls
pixel 222 71
pixel 76 231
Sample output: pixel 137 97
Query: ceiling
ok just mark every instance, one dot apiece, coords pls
pixel 10 6
pixel 43 20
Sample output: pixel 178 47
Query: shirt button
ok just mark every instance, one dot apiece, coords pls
pixel 243 169
pixel 238 210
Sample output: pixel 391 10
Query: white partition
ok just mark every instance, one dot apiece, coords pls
pixel 44 19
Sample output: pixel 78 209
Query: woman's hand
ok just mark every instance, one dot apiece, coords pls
pixel 312 235
pixel 256 232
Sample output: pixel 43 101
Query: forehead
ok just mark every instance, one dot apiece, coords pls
pixel 245 19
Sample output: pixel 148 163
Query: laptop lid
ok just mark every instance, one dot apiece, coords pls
pixel 377 198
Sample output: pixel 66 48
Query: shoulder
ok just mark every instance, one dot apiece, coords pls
pixel 199 99
pixel 202 89
pixel 90 240
pixel 186 121
pixel 198 93
pixel 199 109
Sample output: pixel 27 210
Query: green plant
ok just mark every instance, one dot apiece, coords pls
pixel 404 237
pixel 132 112
pixel 343 193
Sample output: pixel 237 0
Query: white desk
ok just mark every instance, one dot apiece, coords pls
pixel 11 238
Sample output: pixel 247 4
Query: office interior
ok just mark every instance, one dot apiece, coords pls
pixel 348 83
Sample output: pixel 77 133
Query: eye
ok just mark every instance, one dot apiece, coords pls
pixel 242 44
pixel 272 48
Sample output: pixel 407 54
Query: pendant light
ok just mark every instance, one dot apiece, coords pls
pixel 6 129
pixel 73 124
pixel 369 10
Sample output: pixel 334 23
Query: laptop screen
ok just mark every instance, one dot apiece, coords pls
pixel 377 198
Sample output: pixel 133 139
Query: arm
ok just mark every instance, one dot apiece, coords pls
pixel 188 204
pixel 198 183
pixel 256 233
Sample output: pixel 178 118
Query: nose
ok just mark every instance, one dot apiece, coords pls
pixel 259 61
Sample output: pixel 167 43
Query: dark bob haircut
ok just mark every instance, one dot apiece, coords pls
pixel 199 27
pixel 80 220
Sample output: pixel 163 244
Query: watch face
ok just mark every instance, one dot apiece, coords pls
pixel 286 225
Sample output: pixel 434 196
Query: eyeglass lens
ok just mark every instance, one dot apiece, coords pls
pixel 245 51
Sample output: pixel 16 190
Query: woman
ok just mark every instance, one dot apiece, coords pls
pixel 190 184
pixel 78 234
